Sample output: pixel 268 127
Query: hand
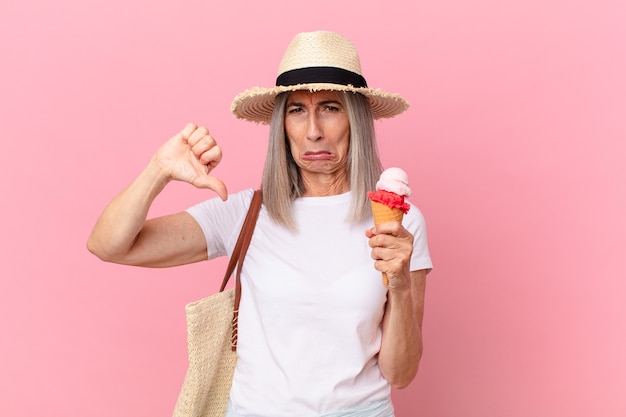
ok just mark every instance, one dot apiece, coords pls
pixel 392 246
pixel 190 156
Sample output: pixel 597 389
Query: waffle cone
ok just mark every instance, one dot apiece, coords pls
pixel 384 214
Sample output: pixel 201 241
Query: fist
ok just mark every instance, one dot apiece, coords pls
pixel 190 156
pixel 392 246
pixel 202 145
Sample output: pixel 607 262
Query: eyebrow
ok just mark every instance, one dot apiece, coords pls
pixel 321 103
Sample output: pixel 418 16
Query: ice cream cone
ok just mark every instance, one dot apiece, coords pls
pixel 384 214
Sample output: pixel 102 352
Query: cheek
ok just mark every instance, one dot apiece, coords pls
pixel 293 131
pixel 289 133
pixel 292 147
pixel 345 141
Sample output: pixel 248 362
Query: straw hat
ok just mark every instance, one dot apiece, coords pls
pixel 316 61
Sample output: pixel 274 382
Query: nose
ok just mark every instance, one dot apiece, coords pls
pixel 314 128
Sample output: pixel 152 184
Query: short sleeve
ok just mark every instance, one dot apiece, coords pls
pixel 415 223
pixel 221 221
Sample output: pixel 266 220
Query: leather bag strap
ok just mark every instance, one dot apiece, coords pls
pixel 236 259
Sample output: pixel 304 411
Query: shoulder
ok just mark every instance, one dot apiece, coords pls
pixel 217 214
pixel 235 203
pixel 414 219
pixel 221 220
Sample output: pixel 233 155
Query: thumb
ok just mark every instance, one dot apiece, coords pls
pixel 215 184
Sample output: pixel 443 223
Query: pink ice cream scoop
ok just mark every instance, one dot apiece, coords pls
pixel 391 189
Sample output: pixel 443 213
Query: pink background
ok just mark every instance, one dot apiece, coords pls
pixel 515 145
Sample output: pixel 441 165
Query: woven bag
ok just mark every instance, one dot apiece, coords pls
pixel 212 337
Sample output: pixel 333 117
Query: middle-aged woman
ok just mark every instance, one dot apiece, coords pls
pixel 319 333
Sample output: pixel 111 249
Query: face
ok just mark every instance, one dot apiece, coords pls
pixel 318 132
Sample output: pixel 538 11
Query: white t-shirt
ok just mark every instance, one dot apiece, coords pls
pixel 311 307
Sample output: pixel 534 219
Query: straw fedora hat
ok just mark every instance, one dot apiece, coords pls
pixel 316 61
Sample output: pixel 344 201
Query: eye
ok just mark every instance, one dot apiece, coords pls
pixel 331 108
pixel 294 110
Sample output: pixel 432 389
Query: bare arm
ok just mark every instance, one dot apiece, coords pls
pixel 401 347
pixel 123 235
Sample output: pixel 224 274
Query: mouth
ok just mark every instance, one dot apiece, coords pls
pixel 317 156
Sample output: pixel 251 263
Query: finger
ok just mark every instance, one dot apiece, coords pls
pixel 383 240
pixel 198 135
pixel 212 157
pixel 389 228
pixel 390 264
pixel 379 229
pixel 203 145
pixel 391 255
pixel 188 130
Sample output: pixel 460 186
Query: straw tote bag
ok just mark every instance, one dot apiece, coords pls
pixel 212 337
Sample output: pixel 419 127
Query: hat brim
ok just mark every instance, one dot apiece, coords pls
pixel 257 104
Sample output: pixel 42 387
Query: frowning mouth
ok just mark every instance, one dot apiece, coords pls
pixel 318 156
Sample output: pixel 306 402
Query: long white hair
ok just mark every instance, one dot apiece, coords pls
pixel 282 181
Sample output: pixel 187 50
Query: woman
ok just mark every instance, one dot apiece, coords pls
pixel 319 334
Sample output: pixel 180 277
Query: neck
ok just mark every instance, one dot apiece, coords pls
pixel 324 185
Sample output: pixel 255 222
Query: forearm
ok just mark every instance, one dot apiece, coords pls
pixel 401 347
pixel 122 220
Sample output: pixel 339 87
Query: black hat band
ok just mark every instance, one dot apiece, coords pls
pixel 316 75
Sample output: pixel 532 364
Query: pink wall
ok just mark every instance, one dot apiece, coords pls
pixel 515 144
